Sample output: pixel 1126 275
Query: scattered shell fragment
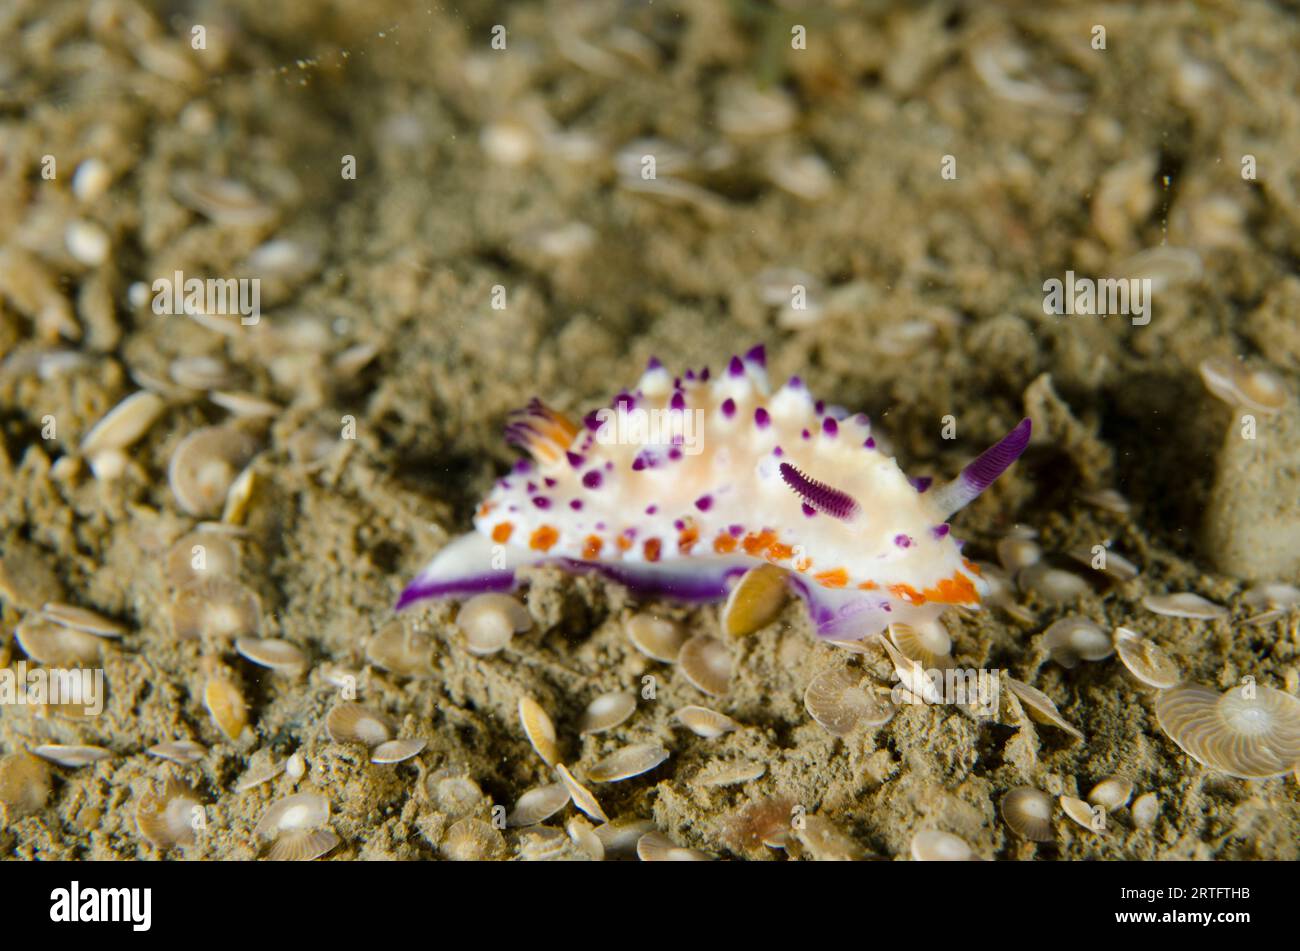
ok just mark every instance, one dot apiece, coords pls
pixel 215 608
pixel 730 774
pixel 539 804
pixel 584 837
pixel 48 643
pixel 171 819
pixel 201 555
pixel 91 179
pixel 582 797
pixel 705 722
pixel 304 810
pixel 1146 661
pixel 1251 731
pixel 1164 266
pixel 238 498
pixel 1184 604
pixel 607 711
pixel 755 601
pixel 1146 808
pixel 398 751
pixel 705 662
pixel 541 844
pixel 489 621
pixel 837 699
pixel 1106 499
pixel 824 841
pixel 225 702
pixel 273 653
pixel 183 752
pixel 245 405
pixel 223 200
pixel 1071 639
pixel 123 424
pixel 931 845
pixel 72 756
pixel 1112 793
pixel 401 649
pixel 620 836
pixel 1113 564
pixel 627 762
pixel 1272 601
pixel 353 723
pixel 1028 813
pixel 1052 584
pixel 205 465
pixel 24 784
pixel 302 845
pixel 87 242
pixel 295 767
pixel 199 372
pixel 1017 553
pixel 928 643
pixel 657 847
pixel 1040 707
pixel 1079 811
pixel 82 619
pixel 455 794
pixel 1235 384
pixel 658 638
pixel 539 729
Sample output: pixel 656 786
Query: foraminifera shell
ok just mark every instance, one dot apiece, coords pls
pixel 539 804
pixel 705 722
pixel 1250 731
pixel 490 621
pixel 706 663
pixel 1028 813
pixel 658 638
pixel 352 723
pixel 607 711
pixel 628 762
pixel 839 699
pixel 755 601
pixel 539 729
pixel 1040 706
pixel 1145 660
pixel 931 845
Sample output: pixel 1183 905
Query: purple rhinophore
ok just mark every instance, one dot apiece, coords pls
pixel 997 458
pixel 757 355
pixel 903 541
pixel 761 419
pixel 704 503
pixel 822 497
pixel 592 479
pixel 728 407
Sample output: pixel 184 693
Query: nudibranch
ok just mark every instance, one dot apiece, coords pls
pixel 683 484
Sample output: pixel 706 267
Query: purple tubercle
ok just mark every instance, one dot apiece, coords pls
pixel 690 376
pixel 522 467
pixel 794 383
pixel 761 419
pixel 728 407
pixel 819 407
pixel 903 541
pixel 651 509
pixel 679 524
pixel 822 497
pixel 940 530
pixel 704 503
pixel 921 483
pixel 592 479
pixel 592 421
pixel 531 487
pixel 541 501
pixel 808 510
pixel 806 435
pixel 575 504
pixel 678 402
pixel 550 483
pixel 870 443
pixel 830 427
pixel 653 364
pixel 575 460
pixel 674 454
pixel 735 367
pixel 735 531
pixel 704 375
pixel 778 452
pixel 757 355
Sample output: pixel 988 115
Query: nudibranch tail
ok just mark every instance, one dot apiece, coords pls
pixel 820 496
pixel 981 473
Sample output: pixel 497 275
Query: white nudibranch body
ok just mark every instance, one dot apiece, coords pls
pixel 684 484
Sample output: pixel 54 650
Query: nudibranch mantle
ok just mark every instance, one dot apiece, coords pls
pixel 682 485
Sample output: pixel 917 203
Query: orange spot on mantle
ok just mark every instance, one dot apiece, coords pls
pixel 544 538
